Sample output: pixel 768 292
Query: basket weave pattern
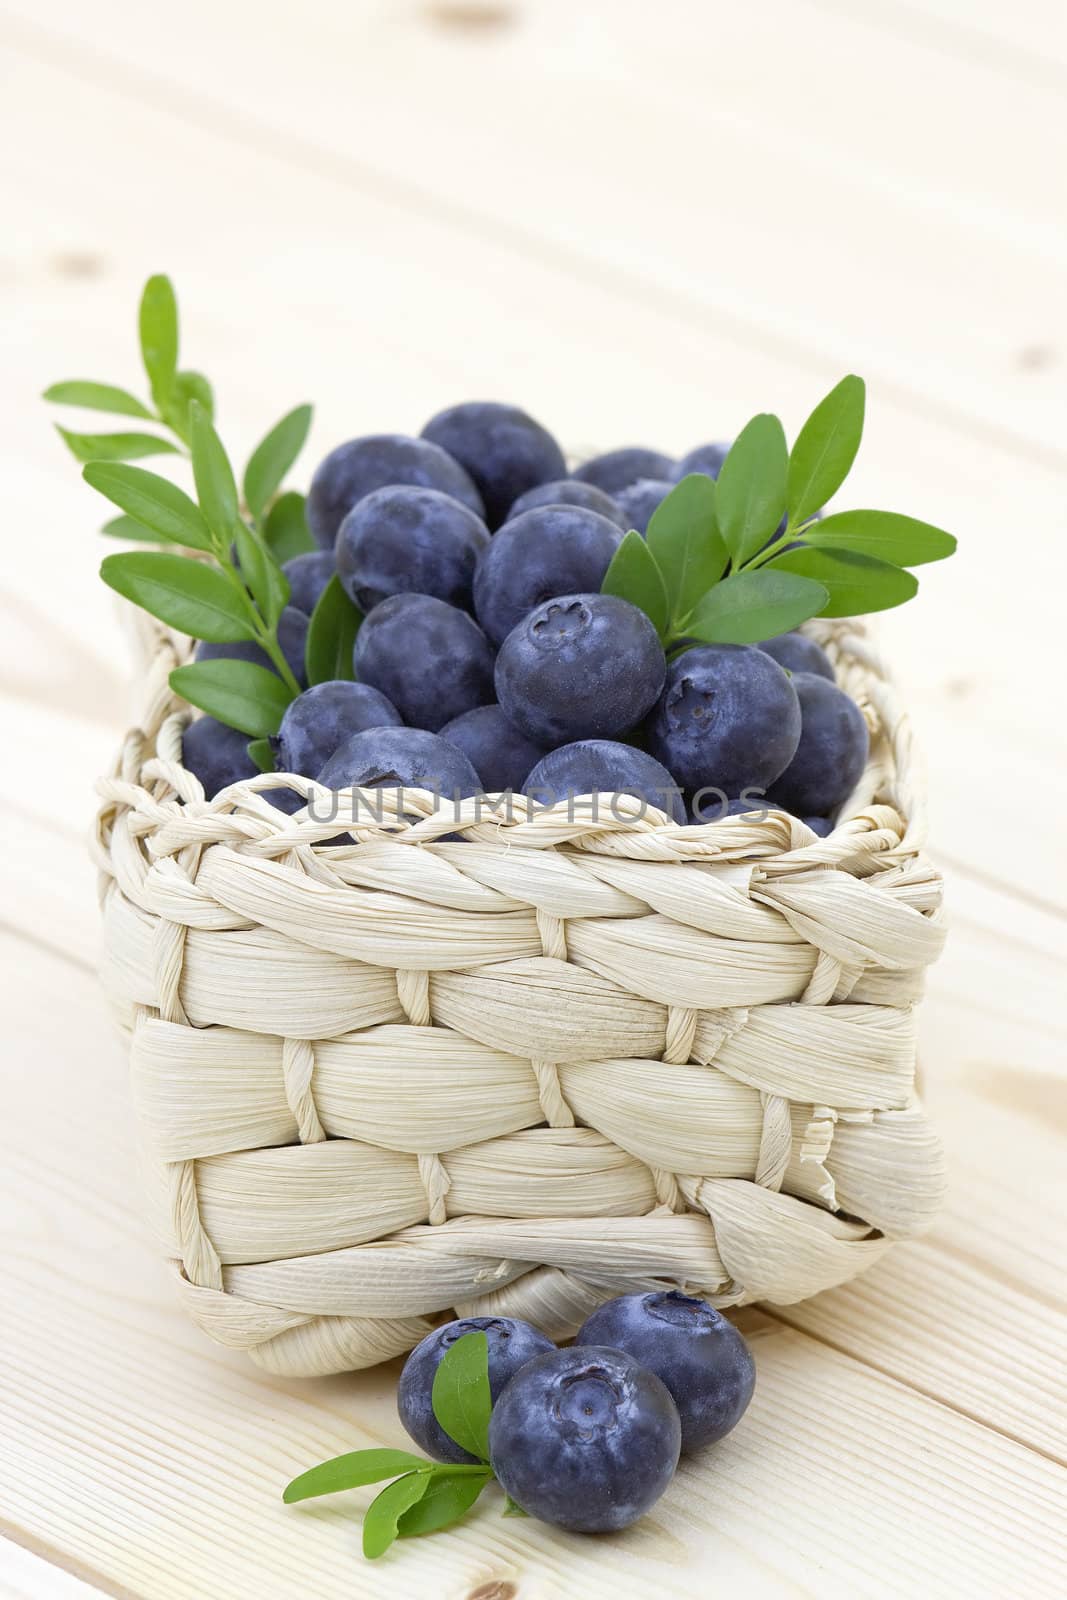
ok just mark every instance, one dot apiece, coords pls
pixel 559 1058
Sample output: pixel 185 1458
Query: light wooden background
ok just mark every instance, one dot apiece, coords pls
pixel 644 222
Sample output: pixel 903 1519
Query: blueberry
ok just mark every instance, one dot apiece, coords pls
pixel 292 636
pixel 569 492
pixel 823 826
pixel 216 754
pixel 711 805
pixel 585 666
pixel 700 1357
pixel 498 752
pixel 505 451
pixel 362 465
pixel 401 758
pixel 511 1345
pixel 638 502
pixel 308 576
pixel 619 468
pixel 323 717
pixel 831 754
pixel 430 659
pixel 728 718
pixel 797 653
pixel 600 766
pixel 585 1438
pixel 705 458
pixel 409 541
pixel 552 551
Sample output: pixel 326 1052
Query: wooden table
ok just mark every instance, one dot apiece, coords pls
pixel 644 222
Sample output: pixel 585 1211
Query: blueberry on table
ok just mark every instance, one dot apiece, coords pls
pixel 831 754
pixel 536 556
pixel 407 540
pixel 308 576
pixel 498 752
pixel 323 717
pixel 292 637
pixel 617 469
pixel 797 653
pixel 502 448
pixel 601 766
pixel 569 492
pixel 585 666
pixel 705 458
pixel 430 659
pixel 401 758
pixel 216 754
pixel 511 1345
pixel 362 465
pixel 641 499
pixel 728 719
pixel 692 1348
pixel 585 1438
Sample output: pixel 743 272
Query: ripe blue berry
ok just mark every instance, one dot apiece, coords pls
pixel 498 752
pixel 728 718
pixel 292 637
pixel 711 805
pixel 216 754
pixel 362 465
pixel 585 1438
pixel 617 469
pixel 569 492
pixel 323 717
pixel 308 576
pixel 823 826
pixel 585 666
pixel 700 1357
pixel 552 551
pixel 797 653
pixel 430 659
pixel 409 541
pixel 502 448
pixel 600 766
pixel 638 502
pixel 705 458
pixel 401 758
pixel 831 754
pixel 511 1345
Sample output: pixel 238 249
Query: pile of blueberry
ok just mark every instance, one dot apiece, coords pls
pixel 488 659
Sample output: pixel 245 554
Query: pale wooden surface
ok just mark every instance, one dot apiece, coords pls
pixel 643 223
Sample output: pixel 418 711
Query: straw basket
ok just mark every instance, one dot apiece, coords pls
pixel 519 1071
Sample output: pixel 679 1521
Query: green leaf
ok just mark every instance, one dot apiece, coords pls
pixel 187 387
pixel 633 575
pixel 182 592
pixel 460 1395
pixel 114 446
pixel 512 1508
pixel 129 528
pixel 261 573
pixel 351 1471
pixel 683 536
pixel 159 336
pixel 750 606
pixel 272 459
pixel 825 449
pixel 261 751
pixel 97 397
pixel 750 491
pixel 380 1524
pixel 449 1495
pixel 331 635
pixel 152 501
pixel 883 534
pixel 243 695
pixel 854 583
pixel 286 529
pixel 215 486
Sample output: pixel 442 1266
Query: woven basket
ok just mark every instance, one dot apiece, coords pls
pixel 521 1071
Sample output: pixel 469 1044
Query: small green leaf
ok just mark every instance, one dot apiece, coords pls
pixel 633 575
pixel 261 573
pixel 114 446
pixel 855 584
pixel 181 592
pixel 215 486
pixel 825 449
pixel 286 529
pixel 331 635
pixel 460 1395
pixel 684 538
pixel 751 487
pixel 129 528
pixel 243 695
pixel 449 1495
pixel 187 387
pixel 380 1524
pixel 883 534
pixel 351 1471
pixel 261 752
pixel 272 459
pixel 97 397
pixel 512 1508
pixel 750 606
pixel 153 501
pixel 159 335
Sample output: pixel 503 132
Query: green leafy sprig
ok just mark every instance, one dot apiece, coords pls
pixel 714 567
pixel 424 1496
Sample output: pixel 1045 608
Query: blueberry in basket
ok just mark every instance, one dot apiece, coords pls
pixel 505 451
pixel 534 557
pixel 429 658
pixel 569 492
pixel 403 539
pixel 379 461
pixel 603 766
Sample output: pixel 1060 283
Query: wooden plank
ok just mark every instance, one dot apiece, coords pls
pixel 25 1575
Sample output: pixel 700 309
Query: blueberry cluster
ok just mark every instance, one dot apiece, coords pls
pixel 588 1437
pixel 489 659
